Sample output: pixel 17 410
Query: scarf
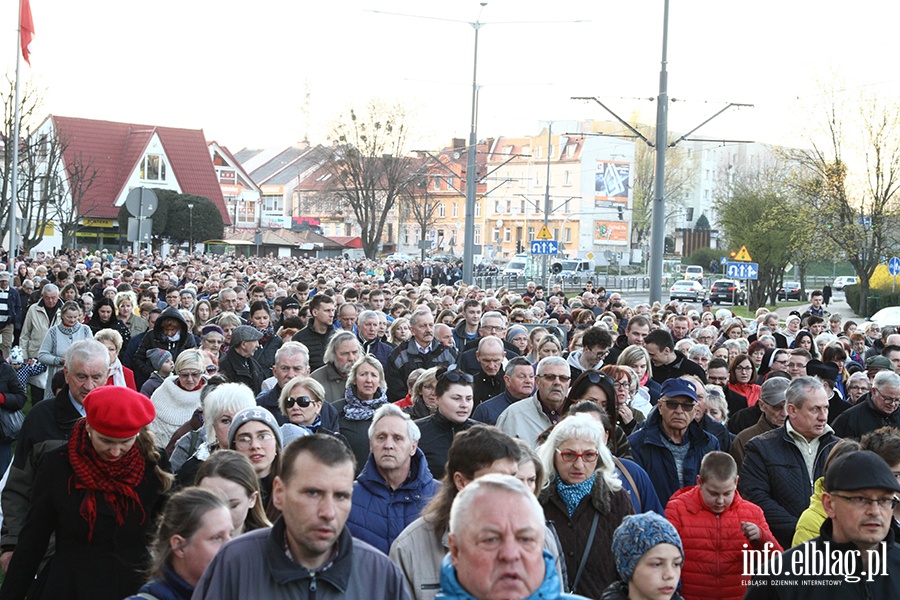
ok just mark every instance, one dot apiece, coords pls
pixel 116 481
pixel 315 425
pixel 361 410
pixel 267 334
pixel 573 494
pixel 117 374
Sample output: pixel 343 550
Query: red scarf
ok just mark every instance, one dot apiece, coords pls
pixel 115 480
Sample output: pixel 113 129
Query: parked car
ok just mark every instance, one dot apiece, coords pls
pixel 693 272
pixel 790 291
pixel 517 266
pixel 727 290
pixel 687 290
pixel 844 280
pixel 887 317
pixel 568 267
pixel 398 256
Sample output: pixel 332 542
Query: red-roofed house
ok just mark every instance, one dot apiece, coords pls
pixel 126 156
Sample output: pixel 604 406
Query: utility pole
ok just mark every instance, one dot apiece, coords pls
pixel 547 204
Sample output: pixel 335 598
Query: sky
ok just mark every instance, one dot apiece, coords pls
pixel 269 73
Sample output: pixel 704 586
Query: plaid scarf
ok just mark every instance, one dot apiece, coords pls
pixel 116 481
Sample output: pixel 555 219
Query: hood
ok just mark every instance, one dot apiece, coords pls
pixel 170 313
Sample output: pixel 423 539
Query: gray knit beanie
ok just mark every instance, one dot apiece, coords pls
pixel 254 414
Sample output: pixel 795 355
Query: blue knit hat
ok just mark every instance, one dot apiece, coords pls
pixel 636 535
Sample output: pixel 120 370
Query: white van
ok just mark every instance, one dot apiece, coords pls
pixel 517 266
pixel 693 272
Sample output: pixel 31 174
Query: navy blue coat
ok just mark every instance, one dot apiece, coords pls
pixel 650 453
pixel 379 513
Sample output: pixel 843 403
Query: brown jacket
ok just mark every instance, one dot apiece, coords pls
pixel 737 446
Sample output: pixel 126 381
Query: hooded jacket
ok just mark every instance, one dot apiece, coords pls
pixel 157 339
pixel 380 513
pixel 714 544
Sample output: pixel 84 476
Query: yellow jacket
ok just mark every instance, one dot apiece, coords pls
pixel 812 518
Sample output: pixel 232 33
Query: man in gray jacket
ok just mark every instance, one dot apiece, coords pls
pixel 308 553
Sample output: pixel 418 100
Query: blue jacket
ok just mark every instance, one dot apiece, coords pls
pixel 645 499
pixel 14 305
pixel 379 514
pixel 171 587
pixel 489 411
pixel 650 453
pixel 550 588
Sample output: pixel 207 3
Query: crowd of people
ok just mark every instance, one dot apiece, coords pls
pixel 218 427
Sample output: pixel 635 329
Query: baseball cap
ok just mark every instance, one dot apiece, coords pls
pixel 673 388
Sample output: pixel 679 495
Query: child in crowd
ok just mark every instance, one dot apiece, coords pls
pixel 649 557
pixel 163 365
pixel 716 525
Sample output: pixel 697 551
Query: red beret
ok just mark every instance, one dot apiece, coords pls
pixel 118 412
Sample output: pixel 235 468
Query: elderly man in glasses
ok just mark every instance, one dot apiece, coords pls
pixel 876 411
pixel 528 418
pixel 671 445
pixel 860 494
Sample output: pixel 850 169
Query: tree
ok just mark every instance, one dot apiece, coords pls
pixel 679 177
pixel 420 207
pixel 75 200
pixel 172 219
pixel 369 167
pixel 755 211
pixel 854 196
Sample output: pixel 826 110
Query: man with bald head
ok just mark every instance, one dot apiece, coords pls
pixel 489 378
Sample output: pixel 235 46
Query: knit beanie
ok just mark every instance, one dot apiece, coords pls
pixel 157 356
pixel 514 332
pixel 636 535
pixel 263 415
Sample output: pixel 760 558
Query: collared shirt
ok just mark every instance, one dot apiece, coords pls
pixel 78 405
pixel 808 449
pixel 552 414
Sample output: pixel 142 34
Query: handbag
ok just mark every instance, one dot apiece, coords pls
pixel 11 424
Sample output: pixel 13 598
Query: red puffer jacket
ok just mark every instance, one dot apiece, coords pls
pixel 713 544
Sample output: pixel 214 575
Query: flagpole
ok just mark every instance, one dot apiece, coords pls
pixel 11 263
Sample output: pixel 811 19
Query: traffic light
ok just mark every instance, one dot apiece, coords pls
pixel 519 248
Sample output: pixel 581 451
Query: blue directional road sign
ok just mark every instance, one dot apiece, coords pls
pixel 742 270
pixel 894 266
pixel 544 247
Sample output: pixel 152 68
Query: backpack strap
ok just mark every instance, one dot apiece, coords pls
pixel 630 479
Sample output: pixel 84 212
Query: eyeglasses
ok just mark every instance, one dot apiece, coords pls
pixel 549 377
pixel 302 402
pixel 622 385
pixel 863 502
pixel 685 406
pixel 190 374
pixel 492 327
pixel 246 439
pixel 569 456
pixel 886 399
pixel 597 378
pixel 456 376
pixel 744 368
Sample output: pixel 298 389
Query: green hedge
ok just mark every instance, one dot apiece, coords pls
pixel 875 302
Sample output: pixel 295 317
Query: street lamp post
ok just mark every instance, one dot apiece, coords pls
pixel 191 209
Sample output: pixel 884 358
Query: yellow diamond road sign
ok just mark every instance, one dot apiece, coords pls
pixel 544 234
pixel 743 255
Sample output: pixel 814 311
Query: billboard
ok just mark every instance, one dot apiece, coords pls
pixel 610 232
pixel 611 183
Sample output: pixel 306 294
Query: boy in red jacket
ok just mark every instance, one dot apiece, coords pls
pixel 716 525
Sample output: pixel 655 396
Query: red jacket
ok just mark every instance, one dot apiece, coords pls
pixel 129 379
pixel 713 544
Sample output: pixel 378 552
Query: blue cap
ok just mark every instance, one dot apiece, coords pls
pixel 673 388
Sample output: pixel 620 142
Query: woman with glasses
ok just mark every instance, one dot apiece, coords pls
pixel 302 401
pixel 178 397
pixel 118 375
pixel 423 396
pixel 255 433
pixel 649 391
pixel 455 402
pixel 600 389
pixel 583 494
pixel 366 390
pixel 626 387
pixel 742 379
pixel 58 339
pixel 857 387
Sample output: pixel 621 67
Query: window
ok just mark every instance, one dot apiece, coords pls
pixel 507 235
pixel 566 178
pixel 530 233
pixel 568 235
pixel 556 233
pixel 442 212
pixel 509 207
pixel 406 236
pixel 272 203
pixel 451 182
pixel 437 183
pixel 522 206
pixel 477 235
pixel 497 207
pixel 153 168
pixel 390 232
pixel 455 209
pixel 477 208
pixel 689 212
pixel 497 234
pixel 570 150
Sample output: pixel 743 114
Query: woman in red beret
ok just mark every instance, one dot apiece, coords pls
pixel 99 493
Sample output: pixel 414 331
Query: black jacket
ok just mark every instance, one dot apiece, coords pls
pixel 486 387
pixel 12 392
pixel 680 366
pixel 775 478
pixel 157 339
pixel 315 342
pixel 242 370
pixel 862 418
pixel 406 358
pixel 437 435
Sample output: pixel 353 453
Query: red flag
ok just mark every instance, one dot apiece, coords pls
pixel 26 28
